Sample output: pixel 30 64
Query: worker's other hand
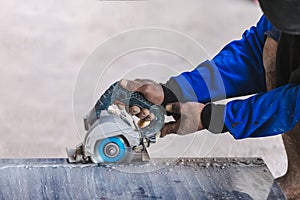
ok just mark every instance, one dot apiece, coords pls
pixel 187 118
pixel 151 90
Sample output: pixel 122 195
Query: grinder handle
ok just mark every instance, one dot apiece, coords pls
pixel 130 98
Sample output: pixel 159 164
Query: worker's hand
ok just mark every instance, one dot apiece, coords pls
pixel 187 115
pixel 187 118
pixel 151 90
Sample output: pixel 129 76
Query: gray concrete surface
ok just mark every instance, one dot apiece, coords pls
pixel 44 43
pixel 168 179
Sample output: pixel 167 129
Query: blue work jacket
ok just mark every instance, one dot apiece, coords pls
pixel 238 70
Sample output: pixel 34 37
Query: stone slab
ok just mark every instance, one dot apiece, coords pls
pixel 183 178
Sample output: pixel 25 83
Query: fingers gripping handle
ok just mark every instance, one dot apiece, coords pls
pixel 116 92
pixel 138 99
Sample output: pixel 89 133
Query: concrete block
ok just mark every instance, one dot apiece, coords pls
pixel 183 178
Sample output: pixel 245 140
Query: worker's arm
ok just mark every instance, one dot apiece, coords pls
pixel 236 70
pixel 265 114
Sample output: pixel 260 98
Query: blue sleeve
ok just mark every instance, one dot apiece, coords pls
pixel 265 114
pixel 237 69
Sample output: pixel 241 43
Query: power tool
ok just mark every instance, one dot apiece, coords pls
pixel 113 135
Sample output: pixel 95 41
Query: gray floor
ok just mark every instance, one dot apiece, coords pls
pixel 44 43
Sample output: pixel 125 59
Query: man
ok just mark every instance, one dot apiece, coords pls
pixel 265 61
